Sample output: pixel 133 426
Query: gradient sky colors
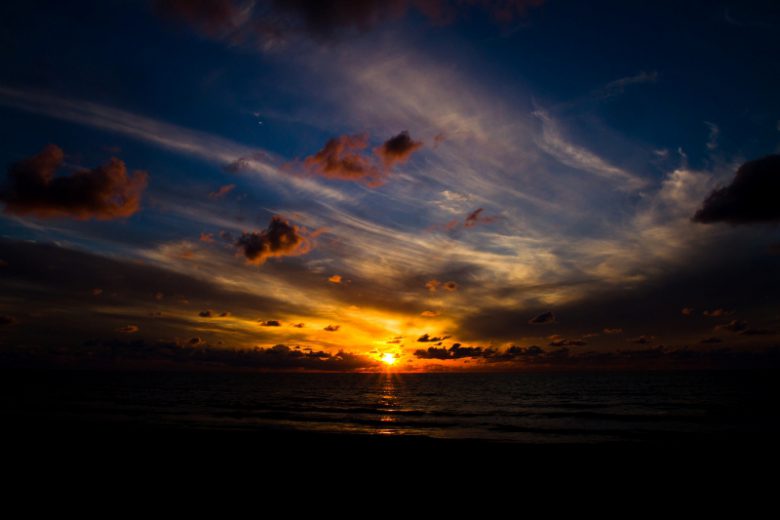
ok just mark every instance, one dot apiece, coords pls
pixel 448 184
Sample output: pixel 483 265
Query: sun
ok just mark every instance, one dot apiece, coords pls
pixel 388 358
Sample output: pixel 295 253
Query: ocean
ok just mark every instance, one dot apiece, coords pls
pixel 526 408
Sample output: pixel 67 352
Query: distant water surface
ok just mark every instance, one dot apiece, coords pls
pixel 523 408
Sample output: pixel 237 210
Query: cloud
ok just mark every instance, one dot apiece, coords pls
pixel 298 325
pixel 8 320
pixel 554 143
pixel 105 192
pixel 434 285
pixel 733 326
pixel 757 332
pixel 476 217
pixel 211 17
pixel 279 239
pixel 613 331
pixel 429 314
pixel 205 314
pixel 642 340
pixel 711 341
pixel 336 279
pixel 343 158
pixel 716 313
pixel 397 149
pixel 567 343
pixel 543 318
pixel 270 23
pixel 190 352
pixel 687 311
pixel 188 142
pixel 752 197
pixel 456 351
pixel 270 323
pixel 332 328
pixel 222 191
pixel 426 338
pixel 128 329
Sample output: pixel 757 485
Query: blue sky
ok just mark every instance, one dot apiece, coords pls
pixel 556 153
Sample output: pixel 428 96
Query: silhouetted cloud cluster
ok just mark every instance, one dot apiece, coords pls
pixel 106 192
pixel 656 357
pixel 563 342
pixel 194 352
pixel 456 351
pixel 752 197
pixel 279 239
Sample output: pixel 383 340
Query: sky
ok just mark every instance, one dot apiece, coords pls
pixel 415 185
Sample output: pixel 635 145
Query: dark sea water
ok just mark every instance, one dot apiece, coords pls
pixel 519 408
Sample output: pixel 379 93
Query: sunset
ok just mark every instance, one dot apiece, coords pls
pixel 497 221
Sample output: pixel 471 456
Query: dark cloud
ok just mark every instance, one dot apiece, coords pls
pixel 205 314
pixel 717 313
pixel 103 193
pixel 752 197
pixel 332 328
pixel 535 357
pixel 687 311
pixel 397 149
pixel 211 17
pixel 298 325
pixel 476 217
pixel 642 340
pixel 341 158
pixel 613 331
pixel 757 332
pixel 8 320
pixel 270 323
pixel 279 239
pixel 344 158
pixel 193 352
pixel 739 275
pixel 456 351
pixel 543 318
pixel 44 277
pixel 733 326
pixel 426 338
pixel 711 340
pixel 268 23
pixel 567 343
